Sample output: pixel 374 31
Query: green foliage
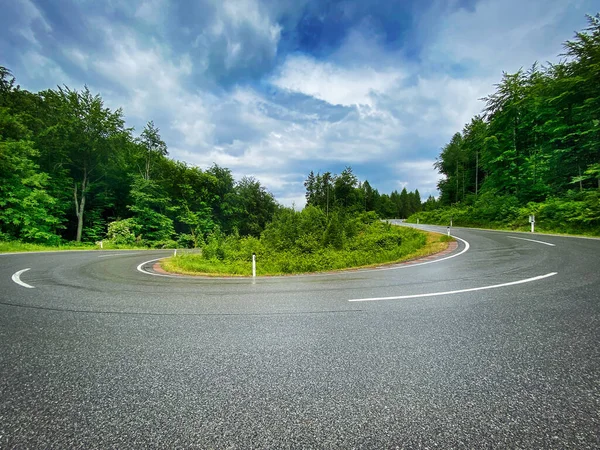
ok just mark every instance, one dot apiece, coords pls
pixel 255 206
pixel 343 192
pixel 298 242
pixel 149 205
pixel 7 246
pixel 577 213
pixel 536 143
pixel 26 209
pixel 71 168
pixel 123 232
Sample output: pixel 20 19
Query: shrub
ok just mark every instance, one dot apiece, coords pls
pixel 122 232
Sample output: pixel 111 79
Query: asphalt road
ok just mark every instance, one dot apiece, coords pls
pixel 100 355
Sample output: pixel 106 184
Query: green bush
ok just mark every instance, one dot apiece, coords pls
pixel 319 244
pixel 122 232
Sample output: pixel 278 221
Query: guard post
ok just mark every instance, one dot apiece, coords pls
pixel 253 265
pixel 532 222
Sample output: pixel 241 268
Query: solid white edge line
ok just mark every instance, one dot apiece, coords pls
pixel 139 268
pixel 379 269
pixel 406 265
pixel 117 254
pixel 17 278
pixel 532 240
pixel 433 294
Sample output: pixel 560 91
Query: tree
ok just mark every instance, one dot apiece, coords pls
pixel 504 109
pixel 153 147
pixel 150 206
pixel 89 133
pixel 344 188
pixel 7 85
pixel 310 185
pixel 27 211
pixel 450 163
pixel 220 185
pixel 256 206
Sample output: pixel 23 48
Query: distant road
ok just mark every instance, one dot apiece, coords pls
pixel 498 346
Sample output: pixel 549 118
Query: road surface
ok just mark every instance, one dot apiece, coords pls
pixel 498 346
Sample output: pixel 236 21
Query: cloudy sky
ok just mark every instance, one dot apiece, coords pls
pixel 277 88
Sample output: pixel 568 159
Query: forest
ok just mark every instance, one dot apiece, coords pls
pixel 71 170
pixel 534 150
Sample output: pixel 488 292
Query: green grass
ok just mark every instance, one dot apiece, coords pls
pixel 414 245
pixel 16 247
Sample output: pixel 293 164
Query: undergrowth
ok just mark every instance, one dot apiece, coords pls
pixel 306 242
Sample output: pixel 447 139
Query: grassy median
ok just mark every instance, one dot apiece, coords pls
pixel 395 245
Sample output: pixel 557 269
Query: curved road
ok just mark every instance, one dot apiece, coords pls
pixel 497 346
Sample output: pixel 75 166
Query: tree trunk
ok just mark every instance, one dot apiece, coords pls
pixel 516 156
pixel 463 196
pixel 80 204
pixel 534 159
pixel 457 188
pixel 147 174
pixel 476 171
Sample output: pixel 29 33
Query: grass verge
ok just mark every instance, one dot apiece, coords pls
pixel 17 247
pixel 193 264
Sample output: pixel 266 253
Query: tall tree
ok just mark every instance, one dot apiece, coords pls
pixel 90 134
pixel 153 147
pixel 256 206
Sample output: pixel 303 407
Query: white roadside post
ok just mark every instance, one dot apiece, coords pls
pixel 532 221
pixel 448 229
pixel 253 265
pixel 175 252
pixel 101 245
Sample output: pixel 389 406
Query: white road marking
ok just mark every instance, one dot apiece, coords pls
pixel 140 269
pixel 17 278
pixel 117 254
pixel 349 272
pixel 433 294
pixel 406 265
pixel 532 240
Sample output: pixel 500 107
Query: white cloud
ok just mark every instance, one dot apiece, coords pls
pixel 505 35
pixel 397 113
pixel 241 37
pixel 150 11
pixel 363 105
pixel 417 174
pixel 38 66
pixel 334 84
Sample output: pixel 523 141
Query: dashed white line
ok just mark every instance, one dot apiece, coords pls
pixel 532 240
pixel 433 294
pixel 17 278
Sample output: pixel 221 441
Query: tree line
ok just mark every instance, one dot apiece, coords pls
pixel 345 192
pixel 533 150
pixel 70 169
pixel 538 135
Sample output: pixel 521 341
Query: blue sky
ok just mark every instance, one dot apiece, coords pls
pixel 277 88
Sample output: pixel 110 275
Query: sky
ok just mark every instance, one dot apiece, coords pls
pixel 276 88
